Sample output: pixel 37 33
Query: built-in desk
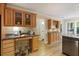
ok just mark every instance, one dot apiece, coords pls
pixel 19 45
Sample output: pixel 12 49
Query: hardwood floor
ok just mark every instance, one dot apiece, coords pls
pixel 54 49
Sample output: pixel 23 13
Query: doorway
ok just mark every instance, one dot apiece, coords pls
pixel 42 30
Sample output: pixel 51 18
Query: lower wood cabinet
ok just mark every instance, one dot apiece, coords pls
pixel 34 44
pixel 10 47
pixel 53 37
pixel 7 48
pixel 8 54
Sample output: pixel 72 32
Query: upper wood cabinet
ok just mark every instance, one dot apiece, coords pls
pixel 2 5
pixel 14 17
pixel 9 19
pixel 33 20
pixel 0 9
pixel 18 17
pixel 53 23
pixel 49 23
pixel 29 19
pixel 56 23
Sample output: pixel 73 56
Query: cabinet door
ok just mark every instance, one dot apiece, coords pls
pixel 49 23
pixel 33 20
pixel 2 6
pixel 9 21
pixel 56 24
pixel 18 18
pixel 8 48
pixel 0 9
pixel 49 38
pixel 35 44
pixel 27 19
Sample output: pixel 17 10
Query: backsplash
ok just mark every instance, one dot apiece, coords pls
pixel 15 30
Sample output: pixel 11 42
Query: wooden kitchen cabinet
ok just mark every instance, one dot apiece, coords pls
pixel 50 38
pixel 2 6
pixel 53 37
pixel 34 44
pixel 29 19
pixel 33 20
pixel 49 23
pixel 18 18
pixel 14 17
pixel 9 19
pixel 7 48
pixel 56 23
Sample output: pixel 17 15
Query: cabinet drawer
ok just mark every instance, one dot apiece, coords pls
pixel 8 41
pixel 9 54
pixel 8 45
pixel 6 50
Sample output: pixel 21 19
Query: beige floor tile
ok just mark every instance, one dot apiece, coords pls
pixel 54 49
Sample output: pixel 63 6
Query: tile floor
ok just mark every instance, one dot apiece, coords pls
pixel 54 49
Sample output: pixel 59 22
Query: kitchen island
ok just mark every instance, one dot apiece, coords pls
pixel 70 44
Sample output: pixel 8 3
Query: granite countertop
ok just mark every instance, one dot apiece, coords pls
pixel 71 35
pixel 15 37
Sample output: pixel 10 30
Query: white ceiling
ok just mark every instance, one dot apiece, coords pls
pixel 62 10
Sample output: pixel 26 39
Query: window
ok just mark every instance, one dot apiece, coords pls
pixel 70 27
